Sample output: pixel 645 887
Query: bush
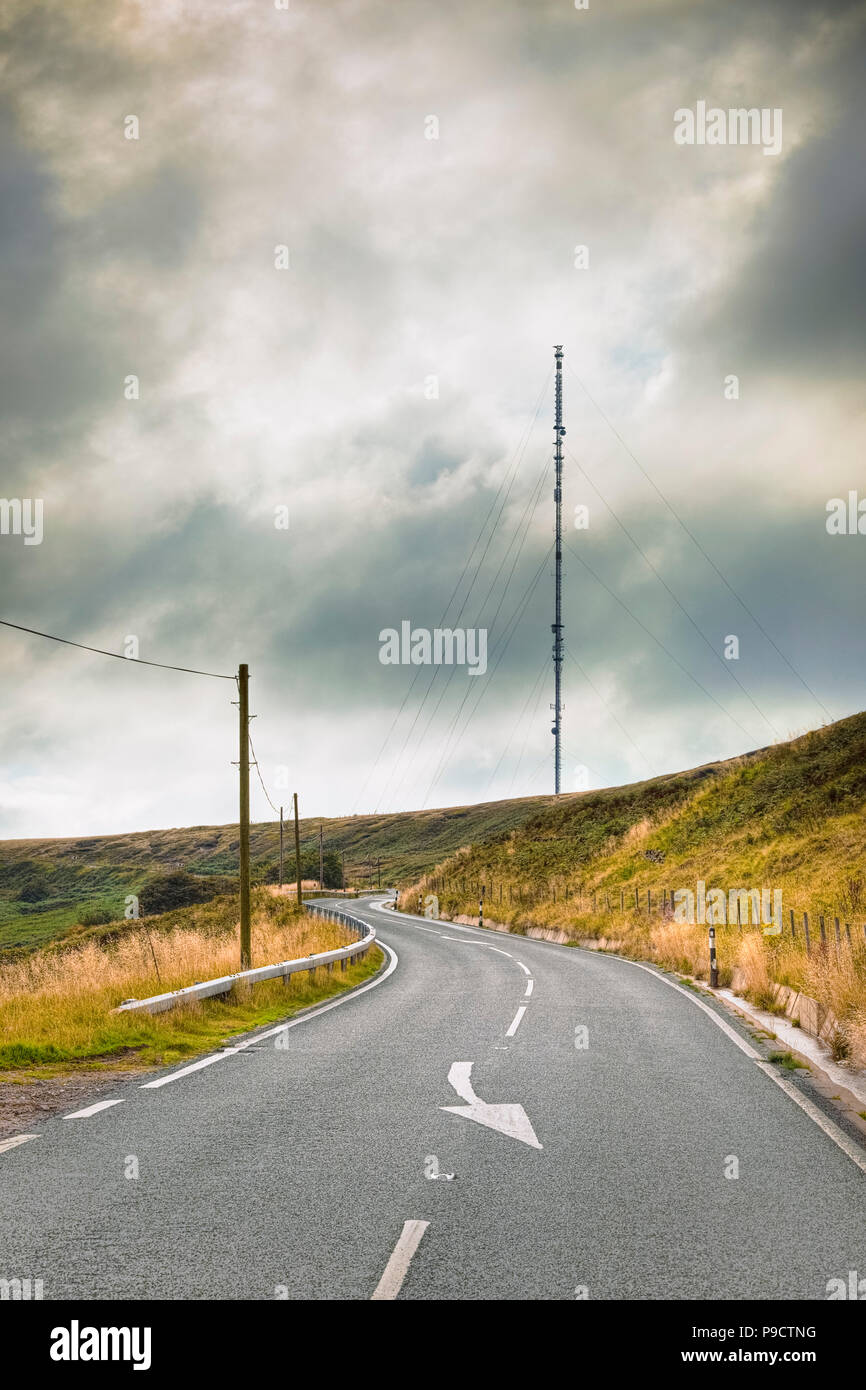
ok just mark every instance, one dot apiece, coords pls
pixel 165 892
pixel 33 893
pixel 95 917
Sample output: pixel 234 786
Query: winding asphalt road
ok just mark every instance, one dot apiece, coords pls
pixel 590 1118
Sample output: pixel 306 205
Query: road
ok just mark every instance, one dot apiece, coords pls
pixel 588 1137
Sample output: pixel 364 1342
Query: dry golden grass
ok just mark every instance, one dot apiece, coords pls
pixel 754 966
pixel 678 946
pixel 57 1005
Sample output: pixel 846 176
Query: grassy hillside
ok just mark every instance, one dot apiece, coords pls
pixel 48 886
pixel 790 818
pixel 57 1004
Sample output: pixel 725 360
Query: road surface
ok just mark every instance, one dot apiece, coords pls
pixel 588 1112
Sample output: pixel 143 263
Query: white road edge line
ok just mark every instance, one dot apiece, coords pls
pixel 281 1027
pixel 823 1121
pixel 93 1109
pixel 397 1267
pixel 515 1024
pixel 839 1137
pixel 14 1142
pixel 719 1022
pixel 832 1130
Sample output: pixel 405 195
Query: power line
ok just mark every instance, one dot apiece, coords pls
pixel 524 523
pixel 647 561
pixel 130 660
pixel 658 642
pixel 509 478
pixel 513 623
pixel 259 775
pixel 535 693
pixel 693 538
pixel 609 709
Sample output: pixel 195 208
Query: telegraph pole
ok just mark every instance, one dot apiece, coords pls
pixel 556 626
pixel 343 869
pixel 244 846
pixel 321 859
pixel 297 849
pixel 379 870
pixel 281 846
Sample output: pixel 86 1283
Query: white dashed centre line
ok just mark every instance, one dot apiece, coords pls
pixel 397 1267
pixel 13 1143
pixel 515 1023
pixel 529 984
pixel 93 1109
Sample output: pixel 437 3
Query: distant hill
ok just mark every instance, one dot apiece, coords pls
pixel 792 812
pixel 47 886
pixel 792 816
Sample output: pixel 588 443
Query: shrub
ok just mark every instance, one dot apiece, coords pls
pixel 95 917
pixel 165 892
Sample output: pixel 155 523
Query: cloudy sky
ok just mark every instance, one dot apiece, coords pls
pixel 392 388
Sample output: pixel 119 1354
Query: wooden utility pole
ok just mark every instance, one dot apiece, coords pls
pixel 244 846
pixel 297 849
pixel 321 859
pixel 343 863
pixel 281 847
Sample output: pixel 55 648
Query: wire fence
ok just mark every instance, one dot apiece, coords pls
pixel 748 908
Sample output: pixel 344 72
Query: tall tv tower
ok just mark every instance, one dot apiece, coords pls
pixel 556 626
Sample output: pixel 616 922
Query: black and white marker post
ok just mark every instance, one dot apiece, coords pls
pixel 714 969
pixel 481 908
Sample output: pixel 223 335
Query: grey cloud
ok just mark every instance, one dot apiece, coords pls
pixel 408 260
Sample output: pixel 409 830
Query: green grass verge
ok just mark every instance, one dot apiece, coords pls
pixel 153 1040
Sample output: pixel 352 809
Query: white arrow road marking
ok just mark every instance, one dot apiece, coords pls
pixel 398 1266
pixel 508 1119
